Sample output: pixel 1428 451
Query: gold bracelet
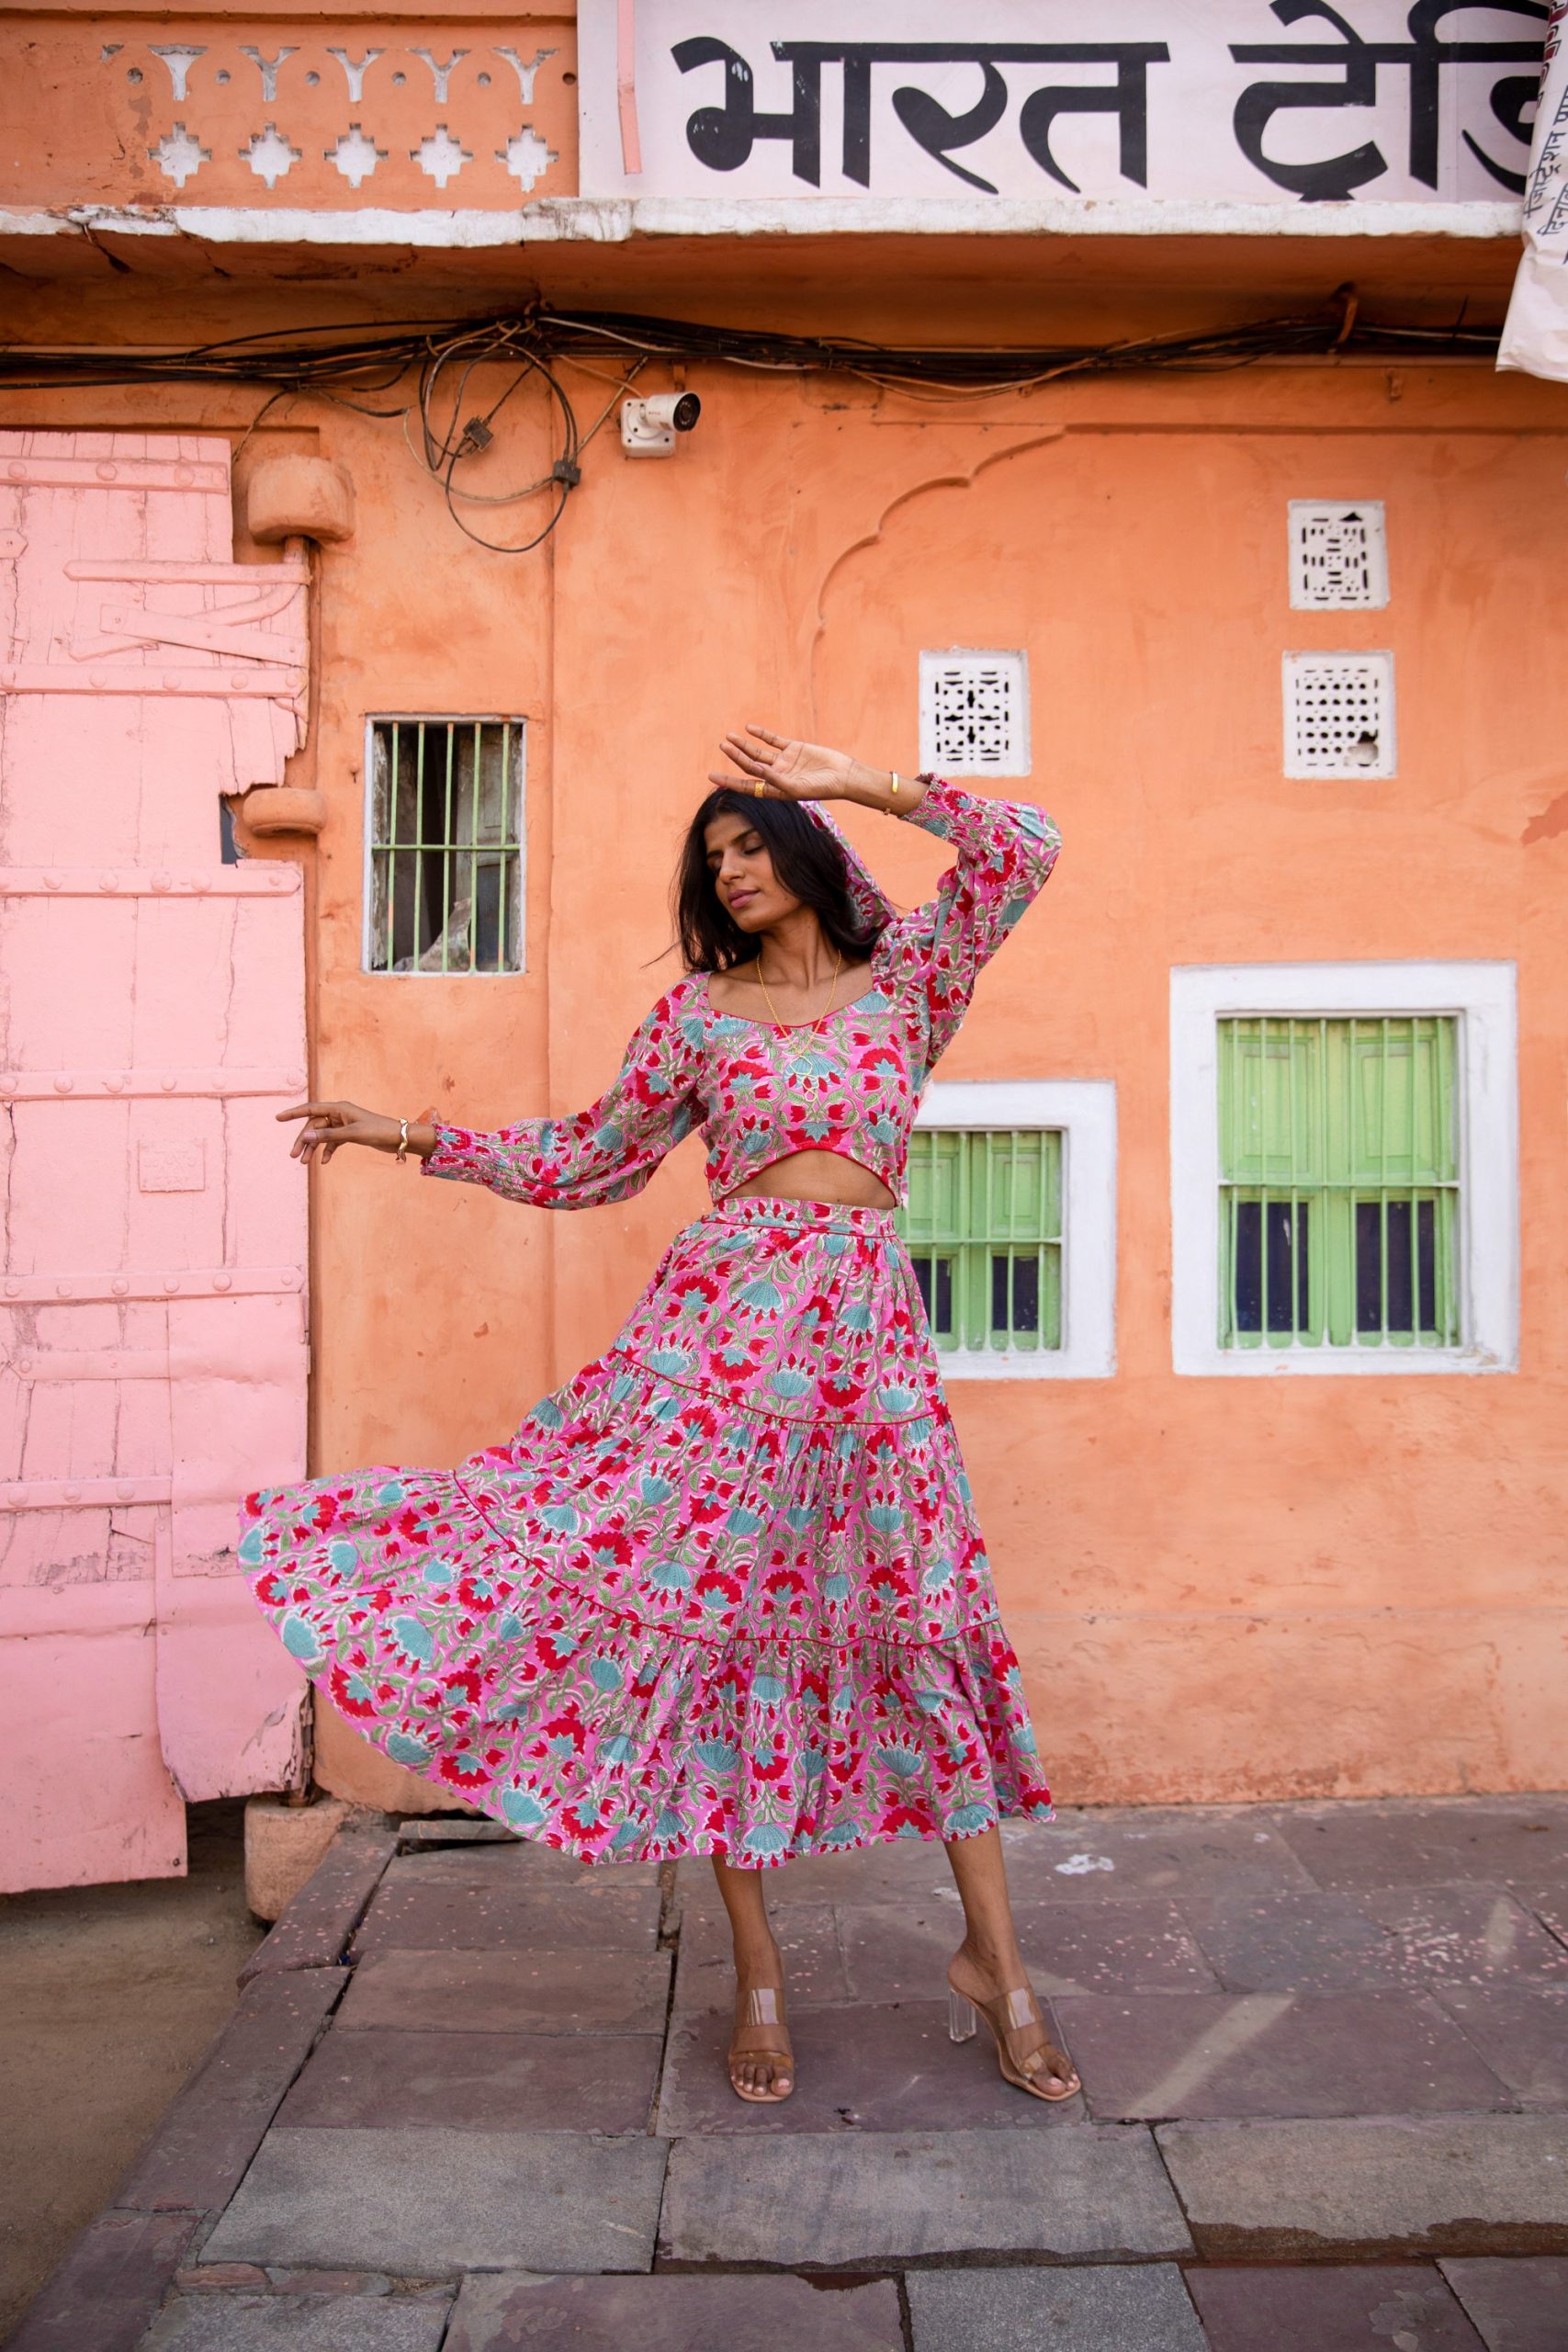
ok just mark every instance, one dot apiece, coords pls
pixel 894 773
pixel 402 1151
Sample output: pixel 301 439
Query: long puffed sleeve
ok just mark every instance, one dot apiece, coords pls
pixel 1006 850
pixel 605 1153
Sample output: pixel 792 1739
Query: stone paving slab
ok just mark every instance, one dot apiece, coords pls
pixel 857 2201
pixel 753 2314
pixel 875 2068
pixel 238 2323
pixel 808 1938
pixel 1429 2184
pixel 1522 2033
pixel 196 2157
pixel 1096 2309
pixel 420 1833
pixel 479 1863
pixel 432 1915
pixel 430 2203
pixel 479 2082
pixel 1326 2308
pixel 537 1991
pixel 1466 1934
pixel 1518 2306
pixel 899 1869
pixel 316 1929
pixel 1302 1941
pixel 112 2280
pixel 1547 1898
pixel 1392 1843
pixel 1085 1854
pixel 1151 2055
pixel 1123 1945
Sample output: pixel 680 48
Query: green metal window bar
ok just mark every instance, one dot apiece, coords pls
pixel 445 859
pixel 984 1230
pixel 1339 1194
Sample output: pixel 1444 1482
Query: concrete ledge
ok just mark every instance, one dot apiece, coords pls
pixel 869 2201
pixel 427 2202
pixel 314 1932
pixel 618 219
pixel 1354 2187
pixel 103 2295
pixel 197 2156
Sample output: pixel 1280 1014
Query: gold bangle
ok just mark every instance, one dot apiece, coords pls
pixel 894 773
pixel 402 1151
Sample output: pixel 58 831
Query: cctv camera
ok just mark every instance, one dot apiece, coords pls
pixel 648 426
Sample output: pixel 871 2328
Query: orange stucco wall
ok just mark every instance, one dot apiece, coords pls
pixel 1220 1589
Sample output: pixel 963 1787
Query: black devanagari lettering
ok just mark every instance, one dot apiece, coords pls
pixel 1423 56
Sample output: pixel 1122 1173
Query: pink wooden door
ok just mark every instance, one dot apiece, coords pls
pixel 152 1346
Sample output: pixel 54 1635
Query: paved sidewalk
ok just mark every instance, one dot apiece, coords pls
pixel 472 2099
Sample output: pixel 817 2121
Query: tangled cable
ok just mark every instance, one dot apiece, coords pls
pixel 356 369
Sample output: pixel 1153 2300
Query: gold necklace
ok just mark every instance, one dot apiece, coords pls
pixel 792 1031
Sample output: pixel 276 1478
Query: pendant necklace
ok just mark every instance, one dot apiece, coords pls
pixel 799 1029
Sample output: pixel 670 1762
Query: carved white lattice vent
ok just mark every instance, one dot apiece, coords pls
pixel 975 713
pixel 1338 555
pixel 1339 714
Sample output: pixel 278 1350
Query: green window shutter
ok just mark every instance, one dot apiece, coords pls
pixel 1339 1181
pixel 984 1228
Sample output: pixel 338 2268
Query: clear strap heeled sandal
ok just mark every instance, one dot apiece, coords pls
pixel 1009 2016
pixel 763 2006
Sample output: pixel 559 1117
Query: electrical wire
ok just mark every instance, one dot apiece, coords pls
pixel 351 367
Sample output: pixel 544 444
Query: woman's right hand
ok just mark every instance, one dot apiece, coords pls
pixel 328 1126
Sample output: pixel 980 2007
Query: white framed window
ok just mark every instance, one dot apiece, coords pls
pixel 975 713
pixel 1339 715
pixel 443 845
pixel 1011 1225
pixel 1338 555
pixel 1343 1168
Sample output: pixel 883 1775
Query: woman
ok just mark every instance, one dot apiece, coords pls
pixel 724 1592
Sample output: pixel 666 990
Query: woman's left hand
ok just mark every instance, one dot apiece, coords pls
pixel 789 771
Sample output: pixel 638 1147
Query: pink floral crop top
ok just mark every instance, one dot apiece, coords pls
pixel 854 1090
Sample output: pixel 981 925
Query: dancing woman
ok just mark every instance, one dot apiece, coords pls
pixel 724 1592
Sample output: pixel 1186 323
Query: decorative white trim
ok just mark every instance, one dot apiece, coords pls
pixel 614 221
pixel 1483 996
pixel 1085 1111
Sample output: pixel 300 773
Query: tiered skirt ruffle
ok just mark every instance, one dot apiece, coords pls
pixel 723 1592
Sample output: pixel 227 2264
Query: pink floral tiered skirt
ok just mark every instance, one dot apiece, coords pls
pixel 722 1593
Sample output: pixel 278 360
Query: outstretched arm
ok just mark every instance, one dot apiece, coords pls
pixel 605 1153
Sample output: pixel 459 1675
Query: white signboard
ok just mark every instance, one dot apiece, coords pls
pixel 1535 336
pixel 1291 102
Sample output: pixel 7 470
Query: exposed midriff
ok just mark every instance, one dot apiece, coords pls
pixel 817 1176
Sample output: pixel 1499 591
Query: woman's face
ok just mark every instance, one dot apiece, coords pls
pixel 743 875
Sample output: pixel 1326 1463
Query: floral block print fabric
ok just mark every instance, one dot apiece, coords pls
pixel 724 1592
pixel 758 1096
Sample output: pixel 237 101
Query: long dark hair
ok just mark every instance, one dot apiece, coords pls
pixel 806 860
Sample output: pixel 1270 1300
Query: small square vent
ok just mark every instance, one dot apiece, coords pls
pixel 1338 556
pixel 1339 714
pixel 975 713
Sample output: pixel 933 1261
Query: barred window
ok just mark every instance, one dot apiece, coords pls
pixel 1339 1194
pixel 984 1230
pixel 446 845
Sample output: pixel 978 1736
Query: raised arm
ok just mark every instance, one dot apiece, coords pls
pixel 605 1153
pixel 1005 851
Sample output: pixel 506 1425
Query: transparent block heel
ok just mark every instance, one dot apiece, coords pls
pixel 962 2021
